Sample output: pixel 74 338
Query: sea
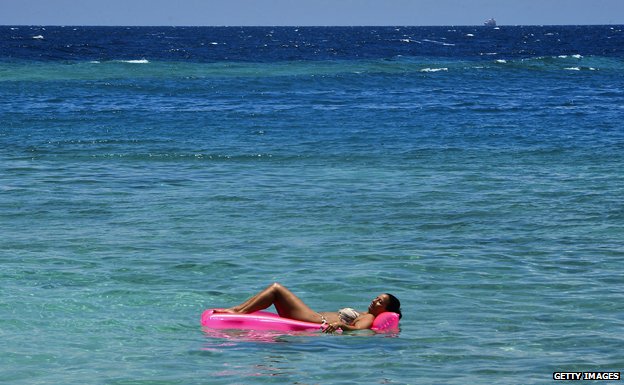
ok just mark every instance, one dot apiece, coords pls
pixel 150 173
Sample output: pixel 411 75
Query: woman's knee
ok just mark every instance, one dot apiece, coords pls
pixel 278 289
pixel 276 286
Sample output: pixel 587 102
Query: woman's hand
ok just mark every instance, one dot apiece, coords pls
pixel 332 327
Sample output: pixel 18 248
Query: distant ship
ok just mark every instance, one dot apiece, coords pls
pixel 490 23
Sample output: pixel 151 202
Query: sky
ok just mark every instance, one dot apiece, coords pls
pixel 309 12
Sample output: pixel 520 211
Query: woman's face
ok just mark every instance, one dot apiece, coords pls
pixel 378 305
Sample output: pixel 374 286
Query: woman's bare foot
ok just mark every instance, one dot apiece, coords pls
pixel 228 311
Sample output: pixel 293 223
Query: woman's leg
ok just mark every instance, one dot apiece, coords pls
pixel 287 304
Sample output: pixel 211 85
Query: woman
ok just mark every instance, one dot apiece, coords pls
pixel 290 306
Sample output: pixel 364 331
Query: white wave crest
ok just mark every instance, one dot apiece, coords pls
pixel 580 68
pixel 140 61
pixel 433 69
pixel 576 56
pixel 438 42
pixel 38 37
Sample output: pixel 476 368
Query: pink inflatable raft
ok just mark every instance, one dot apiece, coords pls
pixel 263 320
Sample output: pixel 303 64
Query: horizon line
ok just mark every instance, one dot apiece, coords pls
pixel 304 25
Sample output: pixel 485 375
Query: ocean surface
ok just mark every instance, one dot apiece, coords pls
pixel 147 174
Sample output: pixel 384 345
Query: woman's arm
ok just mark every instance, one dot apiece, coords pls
pixel 362 322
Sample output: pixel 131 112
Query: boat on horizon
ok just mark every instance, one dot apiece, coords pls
pixel 490 22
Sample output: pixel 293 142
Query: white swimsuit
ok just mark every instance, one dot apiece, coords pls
pixel 347 315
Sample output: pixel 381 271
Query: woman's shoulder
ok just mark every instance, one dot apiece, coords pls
pixel 365 314
pixel 364 321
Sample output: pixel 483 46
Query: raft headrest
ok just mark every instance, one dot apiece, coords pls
pixel 386 321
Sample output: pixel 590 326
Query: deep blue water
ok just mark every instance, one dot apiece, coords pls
pixel 271 44
pixel 149 173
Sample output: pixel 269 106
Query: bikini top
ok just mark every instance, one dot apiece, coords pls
pixel 348 315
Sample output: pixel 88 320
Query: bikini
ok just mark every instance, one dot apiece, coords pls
pixel 346 315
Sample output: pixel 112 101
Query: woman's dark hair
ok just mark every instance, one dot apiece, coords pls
pixel 394 305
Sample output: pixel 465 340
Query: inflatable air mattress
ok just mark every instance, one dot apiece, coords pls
pixel 263 320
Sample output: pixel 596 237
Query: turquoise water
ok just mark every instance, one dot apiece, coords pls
pixel 486 194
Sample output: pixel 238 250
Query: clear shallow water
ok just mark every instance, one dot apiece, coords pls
pixel 480 182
